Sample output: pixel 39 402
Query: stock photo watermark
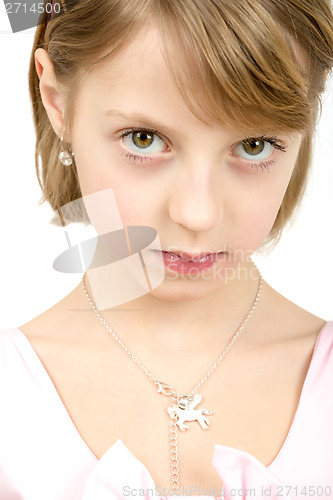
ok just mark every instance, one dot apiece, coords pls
pixel 236 493
pixel 31 13
pixel 133 256
pixel 225 267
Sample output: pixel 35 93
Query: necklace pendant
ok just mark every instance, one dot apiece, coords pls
pixel 184 402
pixel 185 411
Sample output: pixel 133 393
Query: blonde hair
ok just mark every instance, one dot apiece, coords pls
pixel 243 64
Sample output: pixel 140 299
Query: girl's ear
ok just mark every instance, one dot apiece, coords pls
pixel 49 90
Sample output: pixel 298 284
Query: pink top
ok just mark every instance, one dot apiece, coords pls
pixel 43 456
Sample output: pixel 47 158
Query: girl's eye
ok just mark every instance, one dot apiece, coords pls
pixel 142 140
pixel 258 149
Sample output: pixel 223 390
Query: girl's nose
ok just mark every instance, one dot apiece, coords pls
pixel 195 199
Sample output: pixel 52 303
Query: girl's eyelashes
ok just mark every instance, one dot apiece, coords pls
pixel 258 144
pixel 264 165
pixel 136 157
pixel 254 148
pixel 140 136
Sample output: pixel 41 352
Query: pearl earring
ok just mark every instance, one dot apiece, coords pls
pixel 66 156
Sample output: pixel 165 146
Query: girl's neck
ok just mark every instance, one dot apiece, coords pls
pixel 188 321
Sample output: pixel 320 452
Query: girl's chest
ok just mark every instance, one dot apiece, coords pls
pixel 251 410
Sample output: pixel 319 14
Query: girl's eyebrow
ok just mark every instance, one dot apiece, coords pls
pixel 143 120
pixel 149 122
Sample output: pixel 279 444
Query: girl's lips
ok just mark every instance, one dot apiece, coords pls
pixel 193 258
pixel 190 258
pixel 174 262
pixel 198 257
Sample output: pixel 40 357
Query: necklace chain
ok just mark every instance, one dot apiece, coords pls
pixel 166 389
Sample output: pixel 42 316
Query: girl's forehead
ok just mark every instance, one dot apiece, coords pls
pixel 142 57
pixel 139 72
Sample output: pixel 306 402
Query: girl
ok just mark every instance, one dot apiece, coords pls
pixel 182 132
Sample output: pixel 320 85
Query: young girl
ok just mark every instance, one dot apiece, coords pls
pixel 182 132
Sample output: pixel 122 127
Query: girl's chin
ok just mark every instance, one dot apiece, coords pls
pixel 185 288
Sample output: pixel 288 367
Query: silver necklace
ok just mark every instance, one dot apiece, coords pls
pixel 183 405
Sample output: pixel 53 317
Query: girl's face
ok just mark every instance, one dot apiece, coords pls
pixel 201 187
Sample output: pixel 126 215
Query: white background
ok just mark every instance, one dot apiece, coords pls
pixel 300 268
